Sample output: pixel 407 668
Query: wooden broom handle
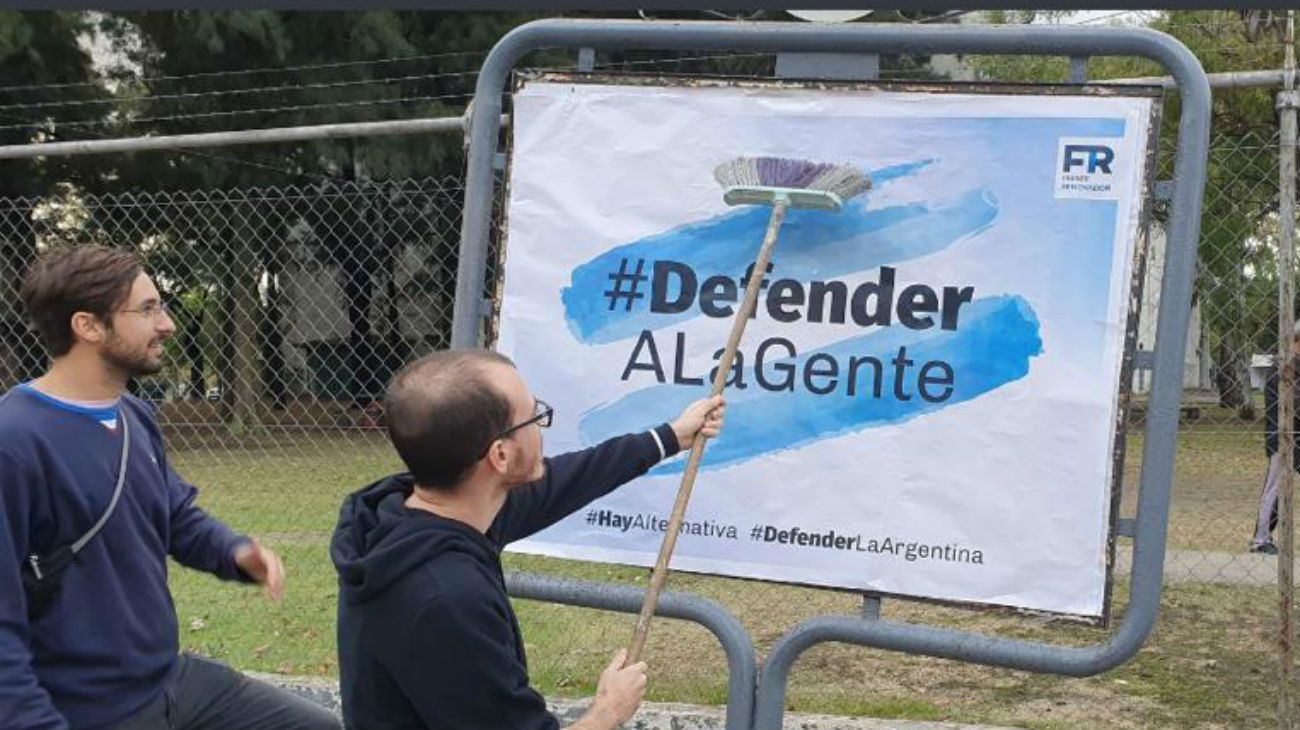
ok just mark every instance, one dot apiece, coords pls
pixel 697 448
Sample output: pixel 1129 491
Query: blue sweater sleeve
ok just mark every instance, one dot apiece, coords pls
pixel 576 479
pixel 24 704
pixel 197 539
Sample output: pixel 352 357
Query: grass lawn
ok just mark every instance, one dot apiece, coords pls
pixel 1210 663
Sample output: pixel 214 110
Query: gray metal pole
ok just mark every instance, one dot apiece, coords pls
pixel 741 664
pixel 230 138
pixel 1224 80
pixel 1286 104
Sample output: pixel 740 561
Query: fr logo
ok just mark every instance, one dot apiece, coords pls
pixel 1092 157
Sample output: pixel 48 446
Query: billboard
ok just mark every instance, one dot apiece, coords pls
pixel 926 401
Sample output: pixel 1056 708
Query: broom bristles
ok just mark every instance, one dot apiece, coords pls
pixel 845 181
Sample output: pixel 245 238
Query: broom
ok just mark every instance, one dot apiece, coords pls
pixel 781 183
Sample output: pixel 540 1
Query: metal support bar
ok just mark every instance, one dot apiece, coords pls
pixel 1225 80
pixel 228 139
pixel 741 663
pixel 1078 69
pixel 828 66
pixel 871 606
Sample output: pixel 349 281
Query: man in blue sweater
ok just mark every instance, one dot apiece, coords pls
pixel 104 652
pixel 427 636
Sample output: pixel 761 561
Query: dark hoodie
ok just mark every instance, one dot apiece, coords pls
pixel 1270 415
pixel 427 637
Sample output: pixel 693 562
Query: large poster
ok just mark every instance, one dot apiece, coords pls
pixel 925 402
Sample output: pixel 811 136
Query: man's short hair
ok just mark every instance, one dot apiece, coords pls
pixel 442 414
pixel 71 279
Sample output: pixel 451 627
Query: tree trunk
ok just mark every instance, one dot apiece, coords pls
pixel 1228 369
pixel 1203 359
pixel 242 309
pixel 1246 404
pixel 357 280
pixel 272 335
pixel 358 290
pixel 1246 411
pixel 396 352
pixel 191 342
pixel 224 303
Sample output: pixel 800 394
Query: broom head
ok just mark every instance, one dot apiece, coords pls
pixel 801 183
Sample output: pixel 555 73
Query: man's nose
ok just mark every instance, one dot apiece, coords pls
pixel 166 325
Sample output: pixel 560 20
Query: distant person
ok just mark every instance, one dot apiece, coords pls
pixel 1266 521
pixel 427 636
pixel 88 636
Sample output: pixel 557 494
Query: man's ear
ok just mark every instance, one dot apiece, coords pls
pixel 498 457
pixel 88 328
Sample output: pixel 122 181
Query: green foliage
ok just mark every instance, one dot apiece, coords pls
pixel 398 64
pixel 38 49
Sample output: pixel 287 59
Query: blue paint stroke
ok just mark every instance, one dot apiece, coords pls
pixel 813 245
pixel 995 338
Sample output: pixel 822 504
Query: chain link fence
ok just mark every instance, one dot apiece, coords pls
pixel 294 305
pixel 1230 349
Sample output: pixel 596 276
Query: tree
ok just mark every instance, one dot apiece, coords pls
pixel 37 51
pixel 1236 280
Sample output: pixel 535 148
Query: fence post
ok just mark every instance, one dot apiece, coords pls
pixel 1286 105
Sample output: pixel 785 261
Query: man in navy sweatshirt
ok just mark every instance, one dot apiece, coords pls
pixel 427 636
pixel 104 652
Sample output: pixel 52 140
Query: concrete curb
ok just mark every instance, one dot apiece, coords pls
pixel 652 715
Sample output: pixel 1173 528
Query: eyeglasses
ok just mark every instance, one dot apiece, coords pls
pixel 152 310
pixel 543 414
